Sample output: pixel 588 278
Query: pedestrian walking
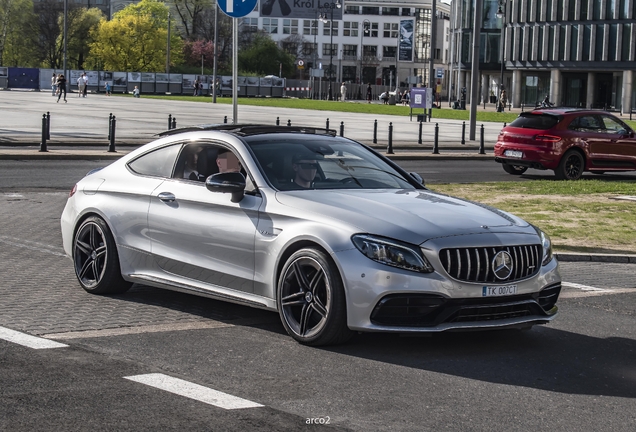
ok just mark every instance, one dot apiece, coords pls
pixel 136 92
pixel 503 100
pixel 80 86
pixel 343 92
pixel 369 93
pixel 61 87
pixel 85 78
pixel 196 87
pixel 107 87
pixel 53 84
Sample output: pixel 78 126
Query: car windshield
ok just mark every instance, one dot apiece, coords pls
pixel 314 162
pixel 535 121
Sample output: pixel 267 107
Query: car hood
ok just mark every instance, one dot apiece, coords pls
pixel 413 216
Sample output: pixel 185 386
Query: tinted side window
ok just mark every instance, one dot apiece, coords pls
pixel 535 121
pixel 613 126
pixel 586 124
pixel 157 163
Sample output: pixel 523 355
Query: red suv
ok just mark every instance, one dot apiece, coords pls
pixel 568 141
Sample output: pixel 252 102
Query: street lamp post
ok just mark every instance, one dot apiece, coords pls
pixel 330 6
pixel 366 25
pixel 501 13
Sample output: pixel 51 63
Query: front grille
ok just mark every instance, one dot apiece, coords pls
pixel 475 264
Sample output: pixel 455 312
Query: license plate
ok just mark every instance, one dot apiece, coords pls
pixel 496 291
pixel 513 153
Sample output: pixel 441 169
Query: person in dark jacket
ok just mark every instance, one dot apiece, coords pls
pixel 61 87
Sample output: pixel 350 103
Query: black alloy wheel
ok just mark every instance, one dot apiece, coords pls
pixel 95 259
pixel 311 300
pixel 514 169
pixel 571 166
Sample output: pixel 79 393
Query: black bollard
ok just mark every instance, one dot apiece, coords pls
pixel 113 125
pixel 341 128
pixel 288 122
pixel 430 115
pixel 327 124
pixel 43 143
pixel 389 149
pixel 436 142
pixel 375 132
pixel 481 140
pixel 169 120
pixel 419 137
pixel 174 122
pixel 277 121
pixel 110 121
pixel 48 125
pixel 504 124
pixel 225 119
pixel 464 133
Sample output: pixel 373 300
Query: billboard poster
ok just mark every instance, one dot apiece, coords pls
pixel 421 98
pixel 405 52
pixel 306 9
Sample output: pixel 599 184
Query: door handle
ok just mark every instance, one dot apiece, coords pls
pixel 166 197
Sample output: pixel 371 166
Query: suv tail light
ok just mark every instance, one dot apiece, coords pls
pixel 547 138
pixel 72 192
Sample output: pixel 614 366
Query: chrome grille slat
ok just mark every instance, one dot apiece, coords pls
pixel 474 264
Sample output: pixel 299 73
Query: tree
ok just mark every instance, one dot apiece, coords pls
pixel 264 57
pixel 192 13
pixel 80 23
pixel 16 42
pixel 135 39
pixel 193 50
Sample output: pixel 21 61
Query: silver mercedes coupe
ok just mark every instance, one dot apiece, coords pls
pixel 335 237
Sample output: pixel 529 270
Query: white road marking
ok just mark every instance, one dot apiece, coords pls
pixel 28 340
pixel 584 287
pixel 36 246
pixel 193 391
pixel 138 330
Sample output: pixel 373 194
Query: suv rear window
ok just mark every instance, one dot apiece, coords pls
pixel 535 121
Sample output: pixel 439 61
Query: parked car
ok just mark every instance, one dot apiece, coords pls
pixel 332 235
pixel 568 141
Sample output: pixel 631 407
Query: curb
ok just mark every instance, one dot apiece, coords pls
pixel 605 258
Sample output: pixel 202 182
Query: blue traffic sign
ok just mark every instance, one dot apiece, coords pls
pixel 237 8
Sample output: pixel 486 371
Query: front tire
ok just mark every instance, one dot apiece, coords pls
pixel 571 166
pixel 311 300
pixel 514 169
pixel 95 259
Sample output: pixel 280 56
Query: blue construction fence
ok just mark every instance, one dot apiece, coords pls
pixel 147 82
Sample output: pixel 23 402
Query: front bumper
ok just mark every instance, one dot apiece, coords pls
pixel 385 299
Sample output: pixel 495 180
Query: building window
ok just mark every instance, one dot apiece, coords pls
pixel 540 44
pixel 370 51
pixel 329 49
pixel 309 48
pixel 350 50
pixel 600 43
pixel 291 48
pixel 374 30
pixel 574 43
pixel 562 34
pixel 310 27
pixel 551 46
pixel 270 25
pixel 627 38
pixel 350 28
pixel 587 40
pixel 349 74
pixel 623 9
pixel 391 30
pixel 390 11
pixel 290 26
pixel 250 24
pixel 596 15
pixel 613 43
pixel 583 15
pixel 406 12
pixel 572 9
pixel 548 10
pixel 389 52
pixel 352 10
pixel 610 7
pixel 369 10
pixel 326 26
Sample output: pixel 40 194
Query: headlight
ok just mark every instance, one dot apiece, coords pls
pixel 546 243
pixel 392 253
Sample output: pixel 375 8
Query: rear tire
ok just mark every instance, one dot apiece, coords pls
pixel 311 300
pixel 96 260
pixel 514 169
pixel 571 166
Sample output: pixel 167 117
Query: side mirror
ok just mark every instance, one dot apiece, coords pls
pixel 231 182
pixel 418 178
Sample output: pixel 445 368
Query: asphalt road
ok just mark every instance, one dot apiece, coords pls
pixel 578 373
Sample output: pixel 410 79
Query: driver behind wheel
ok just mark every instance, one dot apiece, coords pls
pixel 305 168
